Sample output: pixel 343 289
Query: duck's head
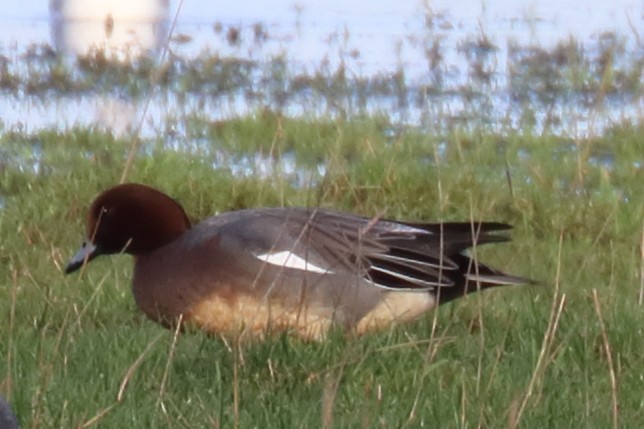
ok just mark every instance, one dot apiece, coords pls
pixel 129 218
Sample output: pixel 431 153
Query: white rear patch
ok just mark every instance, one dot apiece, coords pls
pixel 396 307
pixel 288 259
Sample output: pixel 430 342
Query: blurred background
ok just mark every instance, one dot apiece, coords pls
pixel 489 57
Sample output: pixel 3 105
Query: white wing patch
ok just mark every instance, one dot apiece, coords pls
pixel 288 259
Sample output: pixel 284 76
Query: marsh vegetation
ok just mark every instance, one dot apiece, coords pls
pixel 565 353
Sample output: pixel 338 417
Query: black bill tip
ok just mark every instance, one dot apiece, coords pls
pixel 86 253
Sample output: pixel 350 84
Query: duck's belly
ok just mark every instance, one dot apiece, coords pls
pixel 245 315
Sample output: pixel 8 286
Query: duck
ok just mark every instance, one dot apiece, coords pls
pixel 8 419
pixel 298 270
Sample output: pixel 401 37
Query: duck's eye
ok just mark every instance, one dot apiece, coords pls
pixel 102 213
pixel 107 211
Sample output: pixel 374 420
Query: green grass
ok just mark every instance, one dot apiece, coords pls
pixel 76 351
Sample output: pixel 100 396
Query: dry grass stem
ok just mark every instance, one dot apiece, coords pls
pixel 236 360
pixel 98 417
pixel 641 294
pixel 130 371
pixel 91 299
pixel 609 358
pixel 164 379
pixel 12 317
pixel 558 303
pixel 136 140
pixel 329 394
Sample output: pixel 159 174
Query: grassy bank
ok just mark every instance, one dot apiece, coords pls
pixel 75 352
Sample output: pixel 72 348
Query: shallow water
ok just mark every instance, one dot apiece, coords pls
pixel 455 62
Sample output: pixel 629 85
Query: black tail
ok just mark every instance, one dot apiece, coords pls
pixel 470 276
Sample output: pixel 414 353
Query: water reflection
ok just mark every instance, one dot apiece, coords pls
pixel 120 28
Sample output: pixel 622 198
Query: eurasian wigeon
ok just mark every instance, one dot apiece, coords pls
pixel 302 270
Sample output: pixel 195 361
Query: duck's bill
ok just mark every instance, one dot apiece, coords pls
pixel 86 253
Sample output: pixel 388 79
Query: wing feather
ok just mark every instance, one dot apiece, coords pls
pixel 391 255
